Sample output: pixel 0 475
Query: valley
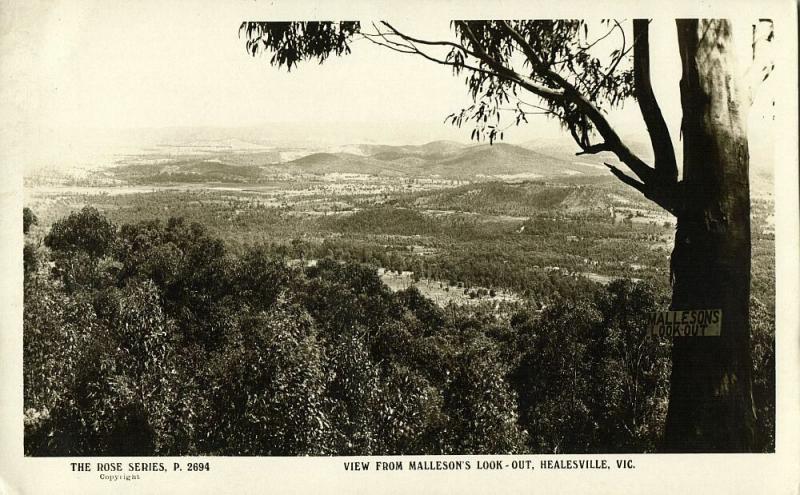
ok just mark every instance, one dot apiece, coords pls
pixel 408 288
pixel 459 221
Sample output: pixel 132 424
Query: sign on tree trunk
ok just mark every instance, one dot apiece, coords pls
pixel 687 323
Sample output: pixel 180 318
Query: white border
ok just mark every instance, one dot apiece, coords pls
pixel 654 474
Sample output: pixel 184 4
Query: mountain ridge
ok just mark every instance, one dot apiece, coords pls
pixel 442 158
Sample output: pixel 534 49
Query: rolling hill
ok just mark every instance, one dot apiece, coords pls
pixel 503 159
pixel 191 170
pixel 444 159
pixel 348 163
pixel 432 150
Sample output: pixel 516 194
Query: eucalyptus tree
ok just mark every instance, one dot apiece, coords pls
pixel 552 67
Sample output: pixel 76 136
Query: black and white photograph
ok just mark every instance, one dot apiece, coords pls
pixel 451 243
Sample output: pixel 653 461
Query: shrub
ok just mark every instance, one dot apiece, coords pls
pixel 86 231
pixel 267 388
pixel 28 220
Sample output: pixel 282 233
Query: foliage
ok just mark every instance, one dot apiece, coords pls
pixel 481 407
pixel 762 322
pixel 86 231
pixel 501 60
pixel 116 388
pixel 29 219
pixel 30 260
pixel 295 41
pixel 589 377
pixel 169 345
pixel 267 388
pixel 54 331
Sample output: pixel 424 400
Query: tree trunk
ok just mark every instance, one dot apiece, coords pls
pixel 711 405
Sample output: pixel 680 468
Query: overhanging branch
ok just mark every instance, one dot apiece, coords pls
pixel 412 39
pixel 640 186
pixel 665 195
pixel 497 70
pixel 524 82
pixel 594 149
pixel 665 165
pixel 563 93
pixel 643 171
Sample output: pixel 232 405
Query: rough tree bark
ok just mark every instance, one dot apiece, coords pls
pixel 710 404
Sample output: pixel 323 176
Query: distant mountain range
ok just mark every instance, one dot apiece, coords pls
pixel 548 159
pixel 446 159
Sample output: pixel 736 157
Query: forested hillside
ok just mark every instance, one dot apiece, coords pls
pixel 155 338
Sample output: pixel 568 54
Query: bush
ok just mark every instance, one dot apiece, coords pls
pixel 267 388
pixel 30 259
pixel 762 322
pixel 28 220
pixel 86 231
pixel 589 378
pixel 55 331
pixel 157 341
pixel 481 408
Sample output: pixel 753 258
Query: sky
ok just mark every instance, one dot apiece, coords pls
pixel 131 64
pixel 80 71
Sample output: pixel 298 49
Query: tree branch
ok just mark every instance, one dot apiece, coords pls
pixel 413 50
pixel 426 42
pixel 623 51
pixel 601 38
pixel 398 47
pixel 763 57
pixel 568 92
pixel 612 139
pixel 524 82
pixel 639 186
pixel 666 167
pixel 667 196
pixel 533 58
pixel 594 149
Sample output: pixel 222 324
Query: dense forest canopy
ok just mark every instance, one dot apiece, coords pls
pixel 152 338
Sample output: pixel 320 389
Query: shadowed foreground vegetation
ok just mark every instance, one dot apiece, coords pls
pixel 151 338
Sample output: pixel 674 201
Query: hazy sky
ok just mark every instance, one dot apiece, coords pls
pixel 101 64
pixel 131 64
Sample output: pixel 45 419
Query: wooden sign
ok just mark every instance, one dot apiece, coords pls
pixel 686 323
